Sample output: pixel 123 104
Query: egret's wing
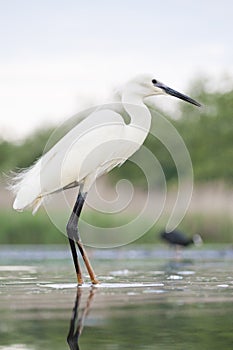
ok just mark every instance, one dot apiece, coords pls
pixel 68 125
pixel 46 175
pixel 70 153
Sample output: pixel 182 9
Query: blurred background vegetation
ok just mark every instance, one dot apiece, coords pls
pixel 208 135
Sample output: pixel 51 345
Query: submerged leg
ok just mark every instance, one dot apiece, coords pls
pixel 77 321
pixel 73 235
pixel 74 332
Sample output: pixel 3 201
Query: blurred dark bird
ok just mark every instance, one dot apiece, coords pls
pixel 179 239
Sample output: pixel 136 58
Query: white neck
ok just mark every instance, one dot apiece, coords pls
pixel 140 116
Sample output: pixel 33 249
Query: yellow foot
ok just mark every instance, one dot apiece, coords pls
pixel 80 280
pixel 95 281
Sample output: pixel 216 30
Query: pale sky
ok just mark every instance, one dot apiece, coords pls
pixel 59 56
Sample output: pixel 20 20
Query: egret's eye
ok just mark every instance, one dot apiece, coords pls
pixel 154 81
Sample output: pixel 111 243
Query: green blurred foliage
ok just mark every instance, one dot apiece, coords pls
pixel 24 228
pixel 21 155
pixel 208 134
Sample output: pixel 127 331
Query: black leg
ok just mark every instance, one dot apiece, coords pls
pixel 76 263
pixel 72 225
pixel 73 235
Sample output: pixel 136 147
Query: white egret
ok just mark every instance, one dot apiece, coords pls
pixel 97 144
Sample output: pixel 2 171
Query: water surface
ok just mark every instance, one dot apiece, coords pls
pixel 146 300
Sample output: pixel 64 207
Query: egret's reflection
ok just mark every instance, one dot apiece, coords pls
pixel 77 322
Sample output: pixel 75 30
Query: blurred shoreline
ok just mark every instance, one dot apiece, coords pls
pixel 209 198
pixel 209 214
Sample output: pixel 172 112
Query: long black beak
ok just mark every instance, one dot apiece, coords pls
pixel 177 94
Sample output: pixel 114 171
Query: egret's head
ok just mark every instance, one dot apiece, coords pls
pixel 146 85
